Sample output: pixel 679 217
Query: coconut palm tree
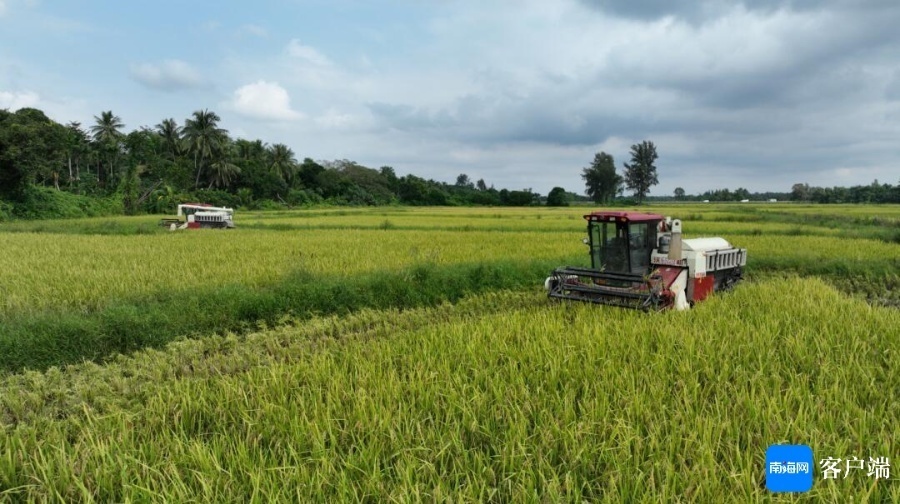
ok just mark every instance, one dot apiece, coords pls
pixel 222 173
pixel 250 150
pixel 282 162
pixel 170 132
pixel 107 133
pixel 203 138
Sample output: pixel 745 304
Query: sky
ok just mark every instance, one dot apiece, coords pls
pixel 761 94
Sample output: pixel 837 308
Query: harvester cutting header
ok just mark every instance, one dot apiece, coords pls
pixel 639 260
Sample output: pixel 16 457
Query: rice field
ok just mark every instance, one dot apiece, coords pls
pixel 395 355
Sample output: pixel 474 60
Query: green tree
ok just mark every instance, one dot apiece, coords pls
pixel 32 149
pixel 130 188
pixel 107 133
pixel 390 177
pixel 640 175
pixel 309 172
pixel 557 197
pixel 462 180
pixel 203 138
pixel 601 181
pixel 413 190
pixel 256 173
pixel 800 192
pixel 282 162
pixel 222 173
pixel 77 149
pixel 679 193
pixel 170 132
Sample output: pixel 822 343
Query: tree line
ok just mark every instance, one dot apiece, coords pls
pixel 604 185
pixel 152 169
pixel 48 169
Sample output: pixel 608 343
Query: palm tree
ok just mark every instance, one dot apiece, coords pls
pixel 203 138
pixel 170 132
pixel 222 172
pixel 282 162
pixel 250 150
pixel 107 133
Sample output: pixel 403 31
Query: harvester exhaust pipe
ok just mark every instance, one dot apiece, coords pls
pixel 675 244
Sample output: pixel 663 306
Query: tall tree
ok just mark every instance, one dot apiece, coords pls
pixel 800 192
pixel 390 176
pixel 77 147
pixel 679 193
pixel 640 175
pixel 203 138
pixel 107 133
pixel 222 172
pixel 170 132
pixel 462 180
pixel 601 181
pixel 282 162
pixel 32 149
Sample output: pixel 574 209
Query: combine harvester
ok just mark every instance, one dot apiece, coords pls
pixel 639 260
pixel 201 215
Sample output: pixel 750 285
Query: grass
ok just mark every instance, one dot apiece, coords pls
pixel 409 354
pixel 38 341
pixel 501 398
pixel 73 272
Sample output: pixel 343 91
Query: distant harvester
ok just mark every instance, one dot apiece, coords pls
pixel 201 215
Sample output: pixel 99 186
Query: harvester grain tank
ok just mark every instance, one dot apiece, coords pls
pixel 639 260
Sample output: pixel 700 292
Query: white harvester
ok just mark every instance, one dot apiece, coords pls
pixel 201 215
pixel 639 260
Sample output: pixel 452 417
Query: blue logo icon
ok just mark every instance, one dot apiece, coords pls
pixel 789 468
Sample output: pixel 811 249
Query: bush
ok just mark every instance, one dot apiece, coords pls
pixel 216 198
pixel 301 197
pixel 6 211
pixel 46 203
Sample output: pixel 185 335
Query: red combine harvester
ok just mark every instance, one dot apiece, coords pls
pixel 639 260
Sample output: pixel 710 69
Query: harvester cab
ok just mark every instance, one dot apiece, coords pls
pixel 639 260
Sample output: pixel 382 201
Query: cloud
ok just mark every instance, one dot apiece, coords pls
pixel 170 75
pixel 16 100
pixel 2 8
pixel 264 100
pixel 699 11
pixel 333 119
pixel 210 25
pixel 254 30
pixel 307 53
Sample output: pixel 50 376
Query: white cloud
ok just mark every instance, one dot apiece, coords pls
pixel 307 53
pixel 170 75
pixel 252 29
pixel 264 100
pixel 59 108
pixel 333 119
pixel 2 8
pixel 210 26
pixel 15 101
